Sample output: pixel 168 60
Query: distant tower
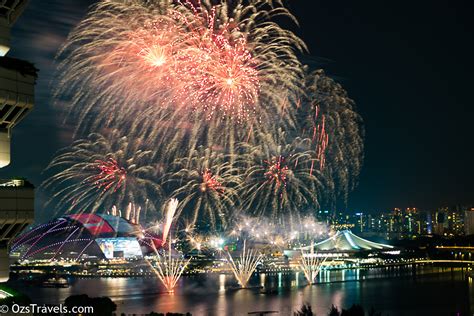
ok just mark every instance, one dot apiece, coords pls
pixel 17 81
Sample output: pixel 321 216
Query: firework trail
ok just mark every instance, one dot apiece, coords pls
pixel 169 216
pixel 97 172
pixel 245 265
pixel 345 148
pixel 206 185
pixel 169 269
pixel 132 213
pixel 311 264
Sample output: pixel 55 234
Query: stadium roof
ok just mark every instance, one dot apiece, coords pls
pixel 92 235
pixel 345 240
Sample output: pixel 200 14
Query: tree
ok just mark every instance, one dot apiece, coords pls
pixel 355 310
pixel 305 311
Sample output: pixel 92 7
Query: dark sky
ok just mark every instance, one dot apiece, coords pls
pixel 407 64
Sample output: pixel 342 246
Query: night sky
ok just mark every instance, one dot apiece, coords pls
pixel 407 64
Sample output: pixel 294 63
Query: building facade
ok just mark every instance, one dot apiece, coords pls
pixel 17 81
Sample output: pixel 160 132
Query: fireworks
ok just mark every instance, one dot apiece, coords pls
pixel 284 186
pixel 169 216
pixel 169 269
pixel 245 265
pixel 210 182
pixel 98 172
pixel 203 90
pixel 111 175
pixel 205 184
pixel 311 263
pixel 277 171
pixel 345 144
pixel 179 72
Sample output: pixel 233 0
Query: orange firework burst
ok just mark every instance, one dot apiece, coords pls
pixel 111 174
pixel 225 62
pixel 226 80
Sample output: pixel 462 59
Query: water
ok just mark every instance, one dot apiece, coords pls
pixel 394 291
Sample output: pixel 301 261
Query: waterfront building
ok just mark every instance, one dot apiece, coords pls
pixel 84 236
pixel 16 212
pixel 345 244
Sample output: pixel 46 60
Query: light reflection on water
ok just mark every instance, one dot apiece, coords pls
pixel 395 291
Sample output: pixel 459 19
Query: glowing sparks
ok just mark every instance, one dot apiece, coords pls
pixel 311 263
pixel 277 171
pixel 245 265
pixel 169 269
pixel 111 175
pixel 170 211
pixel 210 182
pixel 125 176
pixel 211 87
pixel 206 66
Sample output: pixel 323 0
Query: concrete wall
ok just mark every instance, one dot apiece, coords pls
pixel 4 264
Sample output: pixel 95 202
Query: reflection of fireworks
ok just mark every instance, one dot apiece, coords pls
pixel 245 265
pixel 311 264
pixel 111 174
pixel 123 172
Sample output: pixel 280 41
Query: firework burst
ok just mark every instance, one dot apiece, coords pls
pixel 281 181
pixel 111 175
pixel 329 109
pixel 277 171
pixel 205 184
pixel 98 172
pixel 206 72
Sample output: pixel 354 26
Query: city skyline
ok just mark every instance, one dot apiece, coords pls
pixel 417 143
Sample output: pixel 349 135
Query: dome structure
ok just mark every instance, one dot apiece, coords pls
pixel 345 240
pixel 78 236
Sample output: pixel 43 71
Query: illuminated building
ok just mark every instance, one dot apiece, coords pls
pixel 84 236
pixel 345 244
pixel 16 212
pixel 469 221
pixel 17 81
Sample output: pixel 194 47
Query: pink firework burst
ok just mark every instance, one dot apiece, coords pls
pixel 223 77
pixel 111 175
pixel 210 182
pixel 277 171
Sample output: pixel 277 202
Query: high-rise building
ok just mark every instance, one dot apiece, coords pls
pixel 469 221
pixel 17 81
